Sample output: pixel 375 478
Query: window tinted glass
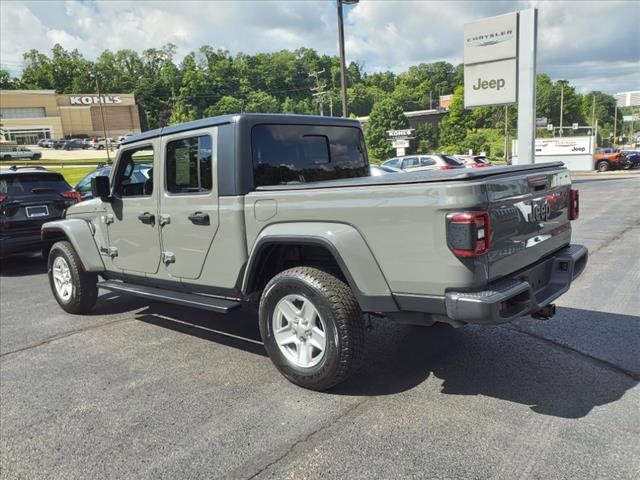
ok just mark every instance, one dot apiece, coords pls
pixel 451 161
pixel 128 184
pixel 28 183
pixel 306 153
pixel 410 162
pixel 427 161
pixel 188 165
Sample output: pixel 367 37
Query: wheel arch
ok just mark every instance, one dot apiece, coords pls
pixel 79 233
pixel 342 243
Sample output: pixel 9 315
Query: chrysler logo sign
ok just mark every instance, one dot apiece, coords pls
pixel 486 39
pixel 94 100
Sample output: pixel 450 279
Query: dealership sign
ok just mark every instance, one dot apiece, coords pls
pixel 491 83
pixel 489 39
pixel 94 99
pixel 490 61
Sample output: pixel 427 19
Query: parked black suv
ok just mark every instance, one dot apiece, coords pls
pixel 29 197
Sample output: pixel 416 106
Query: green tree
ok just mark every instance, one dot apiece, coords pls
pixel 386 115
pixel 454 126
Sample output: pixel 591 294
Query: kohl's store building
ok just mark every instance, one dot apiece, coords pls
pixel 31 115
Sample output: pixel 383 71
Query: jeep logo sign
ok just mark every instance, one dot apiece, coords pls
pixel 493 83
pixel 94 99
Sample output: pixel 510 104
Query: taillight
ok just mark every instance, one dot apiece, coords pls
pixel 446 167
pixel 72 194
pixel 2 197
pixel 574 204
pixel 468 233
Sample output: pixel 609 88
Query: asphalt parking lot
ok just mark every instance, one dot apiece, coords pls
pixel 142 390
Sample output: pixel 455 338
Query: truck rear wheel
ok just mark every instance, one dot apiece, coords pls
pixel 75 290
pixel 312 327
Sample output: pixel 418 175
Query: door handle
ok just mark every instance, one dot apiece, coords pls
pixel 148 218
pixel 199 218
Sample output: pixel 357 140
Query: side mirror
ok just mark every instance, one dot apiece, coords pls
pixel 100 188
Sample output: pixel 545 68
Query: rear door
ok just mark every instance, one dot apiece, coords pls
pixel 189 202
pixel 529 218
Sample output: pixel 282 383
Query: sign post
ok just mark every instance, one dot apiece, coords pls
pixel 527 37
pixel 400 139
pixel 500 69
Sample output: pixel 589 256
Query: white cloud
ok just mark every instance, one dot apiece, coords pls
pixel 592 44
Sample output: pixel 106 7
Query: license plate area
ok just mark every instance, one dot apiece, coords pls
pixel 38 211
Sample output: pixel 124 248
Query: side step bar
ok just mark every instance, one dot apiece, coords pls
pixel 219 305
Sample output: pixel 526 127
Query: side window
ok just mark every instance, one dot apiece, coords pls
pixel 410 162
pixel 189 165
pixel 127 182
pixel 427 161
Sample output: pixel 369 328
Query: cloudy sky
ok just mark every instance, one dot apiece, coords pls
pixel 595 45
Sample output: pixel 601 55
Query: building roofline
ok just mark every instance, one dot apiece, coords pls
pixel 32 92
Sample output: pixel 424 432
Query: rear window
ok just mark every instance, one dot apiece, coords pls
pixel 452 161
pixel 284 154
pixel 28 183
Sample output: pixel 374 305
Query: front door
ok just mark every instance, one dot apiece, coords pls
pixel 189 202
pixel 134 236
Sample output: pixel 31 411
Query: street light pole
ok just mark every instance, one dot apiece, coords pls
pixel 104 125
pixel 343 68
pixel 561 103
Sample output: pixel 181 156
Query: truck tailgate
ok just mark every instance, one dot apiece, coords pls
pixel 529 214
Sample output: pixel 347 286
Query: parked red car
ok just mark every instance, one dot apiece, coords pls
pixel 474 161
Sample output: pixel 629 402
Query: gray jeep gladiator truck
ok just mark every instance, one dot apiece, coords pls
pixel 280 211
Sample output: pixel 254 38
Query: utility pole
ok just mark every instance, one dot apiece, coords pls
pixel 593 119
pixel 343 68
pixel 561 82
pixel 319 90
pixel 615 124
pixel 430 100
pixel 104 125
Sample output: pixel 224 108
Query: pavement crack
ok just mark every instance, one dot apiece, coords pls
pixel 62 336
pixel 561 346
pixel 307 437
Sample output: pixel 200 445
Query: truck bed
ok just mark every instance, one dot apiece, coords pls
pixel 425 176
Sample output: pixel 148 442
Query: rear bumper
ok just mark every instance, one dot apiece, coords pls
pixel 524 293
pixel 503 301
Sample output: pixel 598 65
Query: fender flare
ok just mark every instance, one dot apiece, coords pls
pixel 80 234
pixel 348 248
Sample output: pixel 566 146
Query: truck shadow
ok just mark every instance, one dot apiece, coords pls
pixel 500 362
pixel 22 265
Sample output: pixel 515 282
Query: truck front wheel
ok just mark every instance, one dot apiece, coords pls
pixel 312 327
pixel 602 166
pixel 75 290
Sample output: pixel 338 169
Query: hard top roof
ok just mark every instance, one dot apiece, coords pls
pixel 16 169
pixel 251 118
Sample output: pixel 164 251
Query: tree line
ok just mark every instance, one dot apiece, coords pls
pixel 213 82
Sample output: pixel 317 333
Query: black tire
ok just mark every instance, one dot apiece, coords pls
pixel 84 284
pixel 37 156
pixel 339 310
pixel 6 157
pixel 602 166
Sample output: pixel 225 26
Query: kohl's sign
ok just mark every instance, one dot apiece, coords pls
pixel 94 99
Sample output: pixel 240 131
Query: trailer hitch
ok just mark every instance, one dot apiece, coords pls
pixel 545 313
